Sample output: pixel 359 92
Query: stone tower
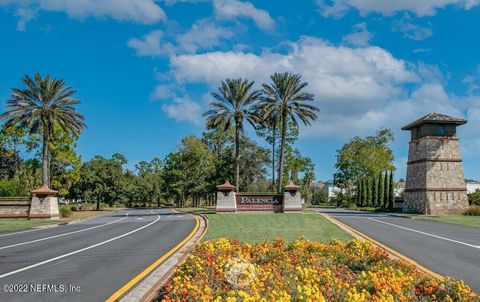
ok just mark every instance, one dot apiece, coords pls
pixel 435 182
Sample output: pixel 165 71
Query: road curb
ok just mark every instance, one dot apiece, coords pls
pixel 359 235
pixel 148 288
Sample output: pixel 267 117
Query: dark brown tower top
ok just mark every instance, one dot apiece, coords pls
pixel 435 118
pixel 434 125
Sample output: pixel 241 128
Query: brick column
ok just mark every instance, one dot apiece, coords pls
pixel 226 202
pixel 44 204
pixel 292 200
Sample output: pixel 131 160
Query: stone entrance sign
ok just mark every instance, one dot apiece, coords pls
pixel 259 202
pixel 230 202
pixel 435 182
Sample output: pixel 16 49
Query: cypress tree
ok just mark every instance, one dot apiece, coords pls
pixel 381 191
pixel 375 192
pixel 359 192
pixel 364 191
pixel 369 193
pixel 391 194
pixel 386 190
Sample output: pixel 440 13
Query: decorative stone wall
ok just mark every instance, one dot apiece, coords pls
pixel 435 181
pixel 14 207
pixel 42 204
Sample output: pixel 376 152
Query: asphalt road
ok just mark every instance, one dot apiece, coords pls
pixel 447 249
pixel 87 261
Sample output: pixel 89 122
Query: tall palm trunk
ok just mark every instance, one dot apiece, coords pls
pixel 282 147
pixel 237 157
pixel 274 129
pixel 45 165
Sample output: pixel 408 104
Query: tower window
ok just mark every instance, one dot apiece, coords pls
pixel 441 130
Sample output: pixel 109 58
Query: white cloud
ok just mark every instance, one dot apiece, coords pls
pixel 162 92
pixel 338 8
pixel 412 31
pixel 336 74
pixel 139 11
pixel 360 36
pixel 231 9
pixel 184 110
pixel 203 34
pixel 150 44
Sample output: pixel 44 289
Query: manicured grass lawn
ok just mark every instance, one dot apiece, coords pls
pixel 15 224
pixel 261 227
pixel 472 221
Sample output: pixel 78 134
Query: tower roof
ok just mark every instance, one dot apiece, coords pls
pixel 435 118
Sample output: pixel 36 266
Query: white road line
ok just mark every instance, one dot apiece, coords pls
pixel 60 235
pixel 427 234
pixel 77 251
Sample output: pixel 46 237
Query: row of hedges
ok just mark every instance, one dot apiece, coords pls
pixel 226 270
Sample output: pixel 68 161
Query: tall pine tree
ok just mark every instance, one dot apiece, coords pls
pixel 391 194
pixel 381 192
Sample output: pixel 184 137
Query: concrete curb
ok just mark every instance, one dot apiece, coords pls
pixel 393 253
pixel 149 287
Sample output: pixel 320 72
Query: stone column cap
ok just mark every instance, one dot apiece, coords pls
pixel 44 190
pixel 227 186
pixel 291 187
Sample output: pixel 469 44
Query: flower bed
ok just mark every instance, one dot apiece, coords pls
pixel 226 270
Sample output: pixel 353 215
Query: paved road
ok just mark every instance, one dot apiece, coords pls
pixel 97 256
pixel 447 249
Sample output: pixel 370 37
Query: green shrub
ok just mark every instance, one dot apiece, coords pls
pixel 12 188
pixel 474 198
pixel 473 211
pixel 65 212
pixel 73 208
pixel 320 197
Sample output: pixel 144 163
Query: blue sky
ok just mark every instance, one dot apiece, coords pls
pixel 144 69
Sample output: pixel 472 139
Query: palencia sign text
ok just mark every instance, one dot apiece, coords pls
pixel 259 200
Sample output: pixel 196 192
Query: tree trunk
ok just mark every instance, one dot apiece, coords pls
pixel 274 129
pixel 45 166
pixel 237 158
pixel 282 149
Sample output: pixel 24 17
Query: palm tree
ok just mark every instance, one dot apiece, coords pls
pixel 234 104
pixel 42 104
pixel 285 95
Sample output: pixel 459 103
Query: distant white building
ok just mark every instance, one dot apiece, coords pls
pixel 472 185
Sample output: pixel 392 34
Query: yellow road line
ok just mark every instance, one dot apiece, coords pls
pixel 115 296
pixel 388 249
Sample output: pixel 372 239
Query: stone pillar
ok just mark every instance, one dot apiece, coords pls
pixel 44 204
pixel 292 200
pixel 226 201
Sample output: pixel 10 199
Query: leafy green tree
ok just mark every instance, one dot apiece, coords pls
pixel 233 105
pixel 101 181
pixel 364 157
pixel 12 188
pixel 43 103
pixel 285 95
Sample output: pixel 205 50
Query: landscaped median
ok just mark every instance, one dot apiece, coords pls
pixel 224 269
